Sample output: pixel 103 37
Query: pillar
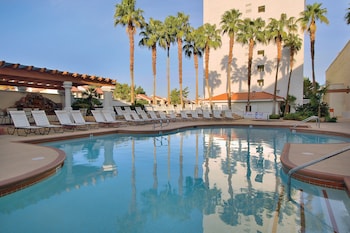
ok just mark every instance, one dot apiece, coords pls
pixel 107 97
pixel 67 95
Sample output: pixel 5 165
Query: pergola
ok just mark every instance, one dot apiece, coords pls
pixel 19 75
pixel 30 76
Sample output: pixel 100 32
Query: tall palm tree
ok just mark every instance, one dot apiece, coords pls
pixel 166 38
pixel 209 39
pixel 294 42
pixel 347 16
pixel 229 24
pixel 181 28
pixel 150 37
pixel 277 30
pixel 191 47
pixel 308 22
pixel 126 15
pixel 250 32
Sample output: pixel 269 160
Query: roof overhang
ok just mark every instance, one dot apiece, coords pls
pixel 30 76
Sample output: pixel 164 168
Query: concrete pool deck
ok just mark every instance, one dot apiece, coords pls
pixel 23 163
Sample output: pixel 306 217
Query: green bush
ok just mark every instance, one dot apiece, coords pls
pixel 274 116
pixel 331 119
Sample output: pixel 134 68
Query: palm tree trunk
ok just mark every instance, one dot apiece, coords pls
pixel 279 55
pixel 229 62
pixel 131 48
pixel 154 68
pixel 291 58
pixel 207 50
pixel 250 59
pixel 312 29
pixel 168 72
pixel 195 58
pixel 179 54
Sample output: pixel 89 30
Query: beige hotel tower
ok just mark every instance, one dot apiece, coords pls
pixel 264 55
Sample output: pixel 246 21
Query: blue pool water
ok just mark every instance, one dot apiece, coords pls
pixel 198 180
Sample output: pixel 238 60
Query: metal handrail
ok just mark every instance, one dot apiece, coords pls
pixel 310 119
pixel 327 156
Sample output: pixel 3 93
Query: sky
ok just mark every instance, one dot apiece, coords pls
pixel 79 36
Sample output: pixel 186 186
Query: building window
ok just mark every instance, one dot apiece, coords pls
pixel 261 68
pixel 261 9
pixel 261 82
pixel 261 52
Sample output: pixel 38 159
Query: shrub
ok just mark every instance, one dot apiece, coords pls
pixel 274 116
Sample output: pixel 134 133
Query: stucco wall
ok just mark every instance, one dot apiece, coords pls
pixel 338 77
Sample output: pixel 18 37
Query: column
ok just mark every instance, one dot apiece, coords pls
pixel 107 97
pixel 67 95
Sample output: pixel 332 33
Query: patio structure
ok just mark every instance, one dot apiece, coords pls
pixel 23 76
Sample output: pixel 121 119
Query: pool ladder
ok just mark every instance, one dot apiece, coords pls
pixel 160 124
pixel 327 156
pixel 309 119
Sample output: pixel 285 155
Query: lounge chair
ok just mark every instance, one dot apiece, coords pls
pixel 41 120
pixel 184 115
pixel 217 114
pixel 206 114
pixel 21 122
pixel 154 116
pixel 66 121
pixel 101 119
pixel 119 110
pixel 127 117
pixel 194 114
pixel 110 116
pixel 79 119
pixel 228 114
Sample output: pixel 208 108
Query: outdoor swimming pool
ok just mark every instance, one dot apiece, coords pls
pixel 196 180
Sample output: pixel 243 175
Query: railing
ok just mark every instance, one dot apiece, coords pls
pixel 293 170
pixel 309 119
pixel 160 124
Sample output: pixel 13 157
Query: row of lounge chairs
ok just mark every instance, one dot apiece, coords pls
pixel 67 120
pixel 140 115
pixel 74 119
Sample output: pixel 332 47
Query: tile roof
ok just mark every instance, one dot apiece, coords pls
pixel 242 96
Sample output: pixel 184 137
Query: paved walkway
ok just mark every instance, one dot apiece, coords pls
pixel 23 163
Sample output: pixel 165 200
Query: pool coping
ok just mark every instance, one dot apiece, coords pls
pixel 36 175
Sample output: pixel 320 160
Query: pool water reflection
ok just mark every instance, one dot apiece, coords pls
pixel 200 180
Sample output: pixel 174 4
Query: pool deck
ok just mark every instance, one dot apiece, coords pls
pixel 23 163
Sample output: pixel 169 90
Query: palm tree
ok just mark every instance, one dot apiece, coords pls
pixel 209 38
pixel 181 29
pixel 250 32
pixel 276 30
pixel 166 38
pixel 150 37
pixel 229 24
pixel 347 16
pixel 294 42
pixel 191 47
pixel 308 22
pixel 126 15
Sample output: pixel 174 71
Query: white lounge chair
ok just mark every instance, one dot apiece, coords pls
pixel 194 114
pixel 110 116
pixel 127 117
pixel 79 119
pixel 21 122
pixel 66 121
pixel 154 116
pixel 184 115
pixel 228 114
pixel 217 114
pixel 206 114
pixel 41 120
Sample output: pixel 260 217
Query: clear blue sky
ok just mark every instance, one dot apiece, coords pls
pixel 79 36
